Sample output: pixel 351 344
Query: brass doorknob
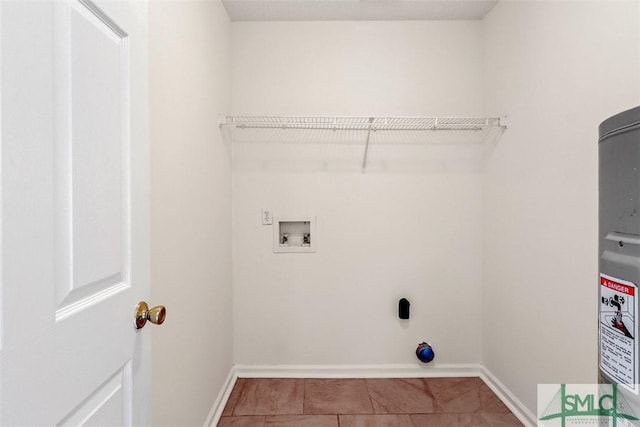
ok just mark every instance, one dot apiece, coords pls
pixel 154 315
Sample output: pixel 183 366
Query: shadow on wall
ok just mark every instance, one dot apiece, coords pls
pixel 301 150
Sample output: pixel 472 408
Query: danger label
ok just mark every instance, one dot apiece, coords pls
pixel 618 287
pixel 618 330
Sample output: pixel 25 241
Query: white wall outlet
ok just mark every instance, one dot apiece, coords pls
pixel 267 217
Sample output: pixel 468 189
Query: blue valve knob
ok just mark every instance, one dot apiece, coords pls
pixel 425 353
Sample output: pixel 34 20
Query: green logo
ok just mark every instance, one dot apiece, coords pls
pixel 582 408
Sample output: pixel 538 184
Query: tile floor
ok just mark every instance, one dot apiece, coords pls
pixel 397 402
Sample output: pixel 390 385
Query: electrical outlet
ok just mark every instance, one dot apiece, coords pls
pixel 267 218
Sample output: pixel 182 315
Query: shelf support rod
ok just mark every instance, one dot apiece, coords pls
pixel 366 146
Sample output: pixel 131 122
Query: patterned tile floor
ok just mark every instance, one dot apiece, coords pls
pixel 397 402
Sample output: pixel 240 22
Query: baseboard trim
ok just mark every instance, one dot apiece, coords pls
pixel 369 371
pixel 358 371
pixel 509 399
pixel 218 406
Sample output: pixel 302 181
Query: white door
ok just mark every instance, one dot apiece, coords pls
pixel 74 213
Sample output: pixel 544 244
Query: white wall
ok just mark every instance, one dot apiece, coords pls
pixel 427 225
pixel 558 69
pixel 409 227
pixel 190 208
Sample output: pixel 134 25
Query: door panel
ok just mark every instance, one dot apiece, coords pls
pixel 98 147
pixel 92 227
pixel 75 242
pixel 105 406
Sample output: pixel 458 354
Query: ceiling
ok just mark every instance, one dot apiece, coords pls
pixel 356 10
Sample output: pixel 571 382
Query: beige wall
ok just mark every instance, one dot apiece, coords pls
pixel 190 208
pixel 558 69
pixel 519 235
pixel 410 226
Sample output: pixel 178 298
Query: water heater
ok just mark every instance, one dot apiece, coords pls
pixel 619 267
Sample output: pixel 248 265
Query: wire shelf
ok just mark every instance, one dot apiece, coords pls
pixel 362 123
pixel 366 130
